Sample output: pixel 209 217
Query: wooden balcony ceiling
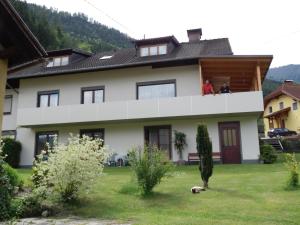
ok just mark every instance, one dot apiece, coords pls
pixel 238 71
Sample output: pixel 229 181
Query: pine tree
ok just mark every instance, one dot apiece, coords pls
pixel 204 149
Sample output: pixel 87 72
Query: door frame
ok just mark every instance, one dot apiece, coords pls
pixel 238 136
pixel 161 127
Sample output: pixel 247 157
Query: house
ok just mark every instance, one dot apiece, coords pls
pixel 282 107
pixel 17 45
pixel 130 97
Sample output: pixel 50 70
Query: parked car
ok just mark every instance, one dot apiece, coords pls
pixel 281 132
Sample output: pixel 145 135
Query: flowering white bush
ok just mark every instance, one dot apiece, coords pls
pixel 67 171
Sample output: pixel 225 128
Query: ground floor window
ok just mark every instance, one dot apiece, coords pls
pixel 159 136
pixel 42 138
pixel 93 133
pixel 9 134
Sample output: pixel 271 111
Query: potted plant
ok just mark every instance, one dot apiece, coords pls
pixel 180 143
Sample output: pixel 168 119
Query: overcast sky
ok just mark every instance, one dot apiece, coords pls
pixel 252 26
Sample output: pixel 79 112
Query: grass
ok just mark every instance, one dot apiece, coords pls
pixel 239 195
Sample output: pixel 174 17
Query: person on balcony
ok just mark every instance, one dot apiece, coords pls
pixel 225 89
pixel 207 88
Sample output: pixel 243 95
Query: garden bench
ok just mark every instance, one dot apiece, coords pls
pixel 194 157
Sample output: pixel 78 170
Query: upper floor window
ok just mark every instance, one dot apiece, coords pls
pixel 47 98
pixel 91 95
pixel 281 106
pixel 153 50
pixel 58 61
pixel 270 109
pixel 156 89
pixel 8 104
pixel 295 105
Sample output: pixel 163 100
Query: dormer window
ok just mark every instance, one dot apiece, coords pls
pixel 58 61
pixel 153 50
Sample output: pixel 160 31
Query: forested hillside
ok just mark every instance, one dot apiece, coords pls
pixel 269 86
pixel 282 73
pixel 57 30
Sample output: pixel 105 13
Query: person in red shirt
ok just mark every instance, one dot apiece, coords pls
pixel 207 88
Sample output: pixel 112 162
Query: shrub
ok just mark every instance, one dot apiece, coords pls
pixel 268 154
pixel 12 150
pixel 150 166
pixel 204 149
pixel 292 165
pixel 69 170
pixel 13 177
pixel 5 191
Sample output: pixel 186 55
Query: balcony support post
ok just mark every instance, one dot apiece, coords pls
pixel 3 78
pixel 200 78
pixel 258 77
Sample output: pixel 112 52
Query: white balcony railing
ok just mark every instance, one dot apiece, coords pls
pixel 243 102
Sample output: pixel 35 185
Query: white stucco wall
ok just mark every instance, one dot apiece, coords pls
pixel 121 137
pixel 119 84
pixel 10 120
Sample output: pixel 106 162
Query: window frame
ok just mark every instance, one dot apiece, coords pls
pixel 55 132
pixel 49 93
pixel 8 133
pixel 82 131
pixel 159 82
pixel 93 89
pixel 281 104
pixel 51 61
pixel 11 104
pixel 152 46
pixel 270 109
pixel 295 103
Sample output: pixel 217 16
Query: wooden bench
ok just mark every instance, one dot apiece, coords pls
pixel 194 157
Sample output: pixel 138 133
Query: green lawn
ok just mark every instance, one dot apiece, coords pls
pixel 239 194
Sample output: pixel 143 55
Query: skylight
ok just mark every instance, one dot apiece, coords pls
pixel 106 57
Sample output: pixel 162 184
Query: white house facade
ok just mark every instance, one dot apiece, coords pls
pixel 139 96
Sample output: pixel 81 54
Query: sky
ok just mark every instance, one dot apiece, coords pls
pixel 259 27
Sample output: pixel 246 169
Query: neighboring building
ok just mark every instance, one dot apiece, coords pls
pixel 17 45
pixel 140 95
pixel 282 107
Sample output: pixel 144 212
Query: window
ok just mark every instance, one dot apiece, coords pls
pixel 48 98
pixel 156 89
pixel 153 50
pixel 7 104
pixel 91 95
pixel 9 134
pixel 159 136
pixel 58 61
pixel 295 105
pixel 270 109
pixel 281 106
pixel 93 133
pixel 106 57
pixel 42 138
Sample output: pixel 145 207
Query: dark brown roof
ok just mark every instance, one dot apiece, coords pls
pixel 19 44
pixel 278 113
pixel 159 40
pixel 184 53
pixel 68 51
pixel 288 88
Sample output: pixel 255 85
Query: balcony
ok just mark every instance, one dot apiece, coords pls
pixel 186 106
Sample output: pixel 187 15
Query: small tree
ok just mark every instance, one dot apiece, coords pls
pixel 204 148
pixel 150 166
pixel 292 165
pixel 179 142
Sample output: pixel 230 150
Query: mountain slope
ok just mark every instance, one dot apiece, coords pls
pixel 57 30
pixel 282 73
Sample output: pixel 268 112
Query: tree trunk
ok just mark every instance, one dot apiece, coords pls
pixel 205 184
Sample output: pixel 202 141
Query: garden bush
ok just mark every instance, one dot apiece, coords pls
pixel 150 165
pixel 70 170
pixel 12 150
pixel 13 176
pixel 5 191
pixel 292 165
pixel 268 154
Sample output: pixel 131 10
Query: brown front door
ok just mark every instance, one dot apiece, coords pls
pixel 159 136
pixel 229 133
